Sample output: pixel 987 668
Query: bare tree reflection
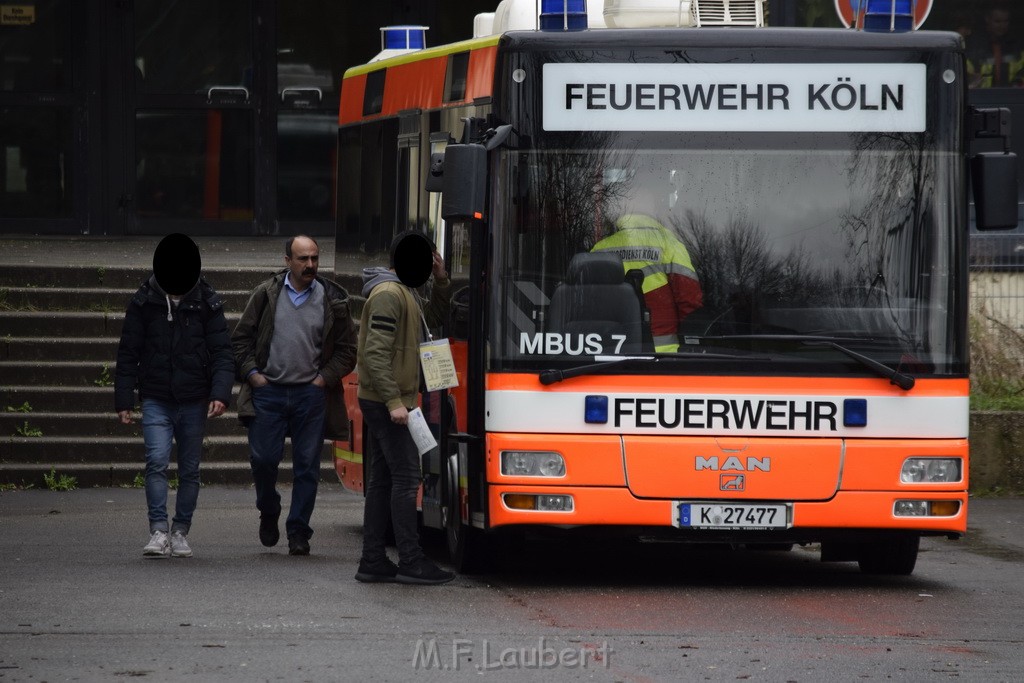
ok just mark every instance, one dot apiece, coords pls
pixel 569 196
pixel 739 272
pixel 887 261
pixel 880 235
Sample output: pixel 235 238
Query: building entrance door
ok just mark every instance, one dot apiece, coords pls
pixel 43 117
pixel 191 135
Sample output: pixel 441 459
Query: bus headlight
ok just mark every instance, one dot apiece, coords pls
pixel 540 502
pixel 931 470
pixel 532 464
pixel 926 508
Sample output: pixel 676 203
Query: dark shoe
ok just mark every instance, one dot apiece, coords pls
pixel 269 533
pixel 297 545
pixel 383 571
pixel 423 572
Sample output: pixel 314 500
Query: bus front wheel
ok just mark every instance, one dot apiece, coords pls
pixel 467 547
pixel 894 556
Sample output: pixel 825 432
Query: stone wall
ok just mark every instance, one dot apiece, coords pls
pixel 997 452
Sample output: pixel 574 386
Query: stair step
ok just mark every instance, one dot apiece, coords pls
pixel 46 348
pixel 128 280
pixel 128 474
pixel 60 375
pixel 104 423
pixel 44 398
pixel 95 299
pixel 69 399
pixel 241 278
pixel 110 449
pixel 79 323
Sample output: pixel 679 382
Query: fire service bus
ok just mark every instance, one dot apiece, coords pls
pixel 710 277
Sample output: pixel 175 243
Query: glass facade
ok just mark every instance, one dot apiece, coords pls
pixel 36 133
pixel 220 115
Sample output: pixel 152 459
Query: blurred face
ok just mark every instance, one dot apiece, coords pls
pixel 998 22
pixel 303 263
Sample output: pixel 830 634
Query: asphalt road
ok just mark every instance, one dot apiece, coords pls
pixel 79 602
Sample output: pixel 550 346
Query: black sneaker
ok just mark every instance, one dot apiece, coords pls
pixel 269 533
pixel 297 545
pixel 423 572
pixel 382 571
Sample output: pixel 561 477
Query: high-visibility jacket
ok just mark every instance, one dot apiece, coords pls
pixel 670 285
pixel 994 66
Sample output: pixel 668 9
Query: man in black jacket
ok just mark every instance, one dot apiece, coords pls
pixel 176 352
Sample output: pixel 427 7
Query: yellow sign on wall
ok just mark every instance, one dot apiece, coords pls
pixel 17 15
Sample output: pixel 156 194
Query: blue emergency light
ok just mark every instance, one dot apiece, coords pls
pixel 595 410
pixel 889 16
pixel 563 15
pixel 403 37
pixel 855 412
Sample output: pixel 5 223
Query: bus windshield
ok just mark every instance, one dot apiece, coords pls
pixel 673 246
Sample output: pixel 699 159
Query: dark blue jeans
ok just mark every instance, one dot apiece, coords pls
pixel 296 411
pixel 164 422
pixel 393 480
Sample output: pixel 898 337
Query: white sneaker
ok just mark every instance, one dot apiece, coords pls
pixel 158 545
pixel 179 546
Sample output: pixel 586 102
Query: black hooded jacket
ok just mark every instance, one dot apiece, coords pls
pixel 179 354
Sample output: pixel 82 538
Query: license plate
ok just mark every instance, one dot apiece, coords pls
pixel 749 516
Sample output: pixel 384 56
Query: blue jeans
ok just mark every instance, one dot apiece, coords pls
pixel 162 423
pixel 393 481
pixel 296 411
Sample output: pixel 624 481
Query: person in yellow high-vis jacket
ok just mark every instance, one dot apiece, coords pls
pixel 670 285
pixel 995 57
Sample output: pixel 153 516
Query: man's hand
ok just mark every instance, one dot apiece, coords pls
pixel 125 416
pixel 216 409
pixel 439 271
pixel 319 382
pixel 400 415
pixel 257 380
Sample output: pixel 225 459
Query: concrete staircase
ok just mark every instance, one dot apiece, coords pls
pixel 59 330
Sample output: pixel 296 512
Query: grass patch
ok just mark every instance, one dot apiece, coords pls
pixel 105 379
pixel 59 482
pixel 997 364
pixel 26 429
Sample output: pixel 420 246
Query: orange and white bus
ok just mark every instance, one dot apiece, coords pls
pixel 816 392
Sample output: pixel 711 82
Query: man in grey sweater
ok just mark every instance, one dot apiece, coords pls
pixel 293 344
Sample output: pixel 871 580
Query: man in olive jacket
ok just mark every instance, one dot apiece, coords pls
pixel 390 331
pixel 293 344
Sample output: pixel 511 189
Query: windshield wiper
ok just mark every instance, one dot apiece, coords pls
pixel 551 376
pixel 900 379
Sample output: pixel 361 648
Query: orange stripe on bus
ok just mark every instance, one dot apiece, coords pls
pixel 352 91
pixel 604 384
pixel 419 85
pixel 480 78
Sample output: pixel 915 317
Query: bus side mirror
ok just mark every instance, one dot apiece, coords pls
pixel 464 182
pixel 994 174
pixel 994 180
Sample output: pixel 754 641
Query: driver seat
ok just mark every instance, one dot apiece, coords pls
pixel 596 299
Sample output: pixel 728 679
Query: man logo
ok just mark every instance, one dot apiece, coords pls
pixel 732 482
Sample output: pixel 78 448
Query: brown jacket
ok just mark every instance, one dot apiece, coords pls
pixel 250 343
